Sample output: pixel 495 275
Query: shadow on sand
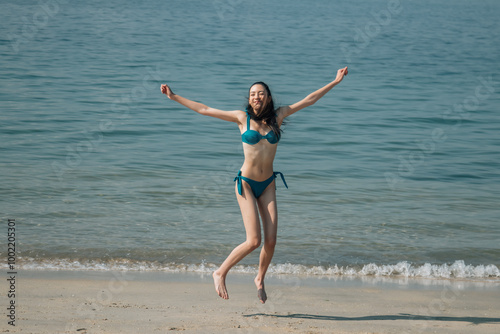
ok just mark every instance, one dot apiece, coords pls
pixel 401 316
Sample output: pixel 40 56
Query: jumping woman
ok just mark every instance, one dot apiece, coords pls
pixel 260 131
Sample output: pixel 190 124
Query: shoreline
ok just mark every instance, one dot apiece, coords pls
pixel 278 279
pixel 132 302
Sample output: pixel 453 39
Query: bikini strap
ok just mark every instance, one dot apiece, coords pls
pixel 248 120
pixel 238 179
pixel 282 178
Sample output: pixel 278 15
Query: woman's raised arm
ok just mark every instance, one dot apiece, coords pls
pixel 231 116
pixel 313 97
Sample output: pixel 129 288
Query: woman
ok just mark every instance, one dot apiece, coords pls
pixel 260 132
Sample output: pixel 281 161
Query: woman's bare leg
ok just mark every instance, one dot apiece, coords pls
pixel 251 221
pixel 269 214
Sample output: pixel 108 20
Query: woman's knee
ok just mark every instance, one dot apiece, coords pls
pixel 253 243
pixel 270 242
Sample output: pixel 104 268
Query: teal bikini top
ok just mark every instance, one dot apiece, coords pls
pixel 252 137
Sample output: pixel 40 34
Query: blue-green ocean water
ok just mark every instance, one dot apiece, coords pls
pixel 394 172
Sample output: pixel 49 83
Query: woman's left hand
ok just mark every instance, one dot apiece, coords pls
pixel 341 73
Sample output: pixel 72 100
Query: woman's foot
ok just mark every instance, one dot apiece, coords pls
pixel 261 292
pixel 220 285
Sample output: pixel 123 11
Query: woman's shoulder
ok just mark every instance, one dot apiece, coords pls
pixel 241 116
pixel 281 113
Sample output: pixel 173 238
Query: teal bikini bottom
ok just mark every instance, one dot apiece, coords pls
pixel 258 187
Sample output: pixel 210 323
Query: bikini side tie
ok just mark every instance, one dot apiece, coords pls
pixel 238 180
pixel 282 178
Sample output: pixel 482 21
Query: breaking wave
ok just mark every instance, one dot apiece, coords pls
pixel 457 270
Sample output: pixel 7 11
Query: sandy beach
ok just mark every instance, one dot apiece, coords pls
pixel 126 302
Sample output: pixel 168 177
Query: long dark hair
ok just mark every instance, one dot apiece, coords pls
pixel 268 114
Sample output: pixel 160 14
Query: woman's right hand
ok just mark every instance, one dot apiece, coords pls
pixel 167 91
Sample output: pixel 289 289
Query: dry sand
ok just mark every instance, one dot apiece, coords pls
pixel 86 302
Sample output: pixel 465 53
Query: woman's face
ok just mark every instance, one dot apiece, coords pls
pixel 258 98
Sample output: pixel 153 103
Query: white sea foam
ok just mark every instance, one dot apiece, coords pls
pixel 457 270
